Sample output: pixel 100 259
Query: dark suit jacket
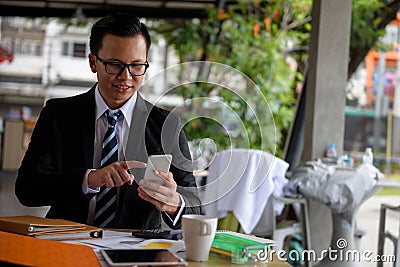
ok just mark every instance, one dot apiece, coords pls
pixel 61 150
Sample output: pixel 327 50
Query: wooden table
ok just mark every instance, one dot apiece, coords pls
pixel 31 251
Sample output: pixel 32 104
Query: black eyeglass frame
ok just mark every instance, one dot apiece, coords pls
pixel 124 66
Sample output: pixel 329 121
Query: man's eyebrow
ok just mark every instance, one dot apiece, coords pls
pixel 137 61
pixel 119 61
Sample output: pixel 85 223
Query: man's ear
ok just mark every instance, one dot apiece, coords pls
pixel 92 62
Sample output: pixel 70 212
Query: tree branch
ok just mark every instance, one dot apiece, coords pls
pixel 360 53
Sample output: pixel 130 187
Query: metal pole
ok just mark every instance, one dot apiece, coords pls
pixel 389 143
pixel 378 101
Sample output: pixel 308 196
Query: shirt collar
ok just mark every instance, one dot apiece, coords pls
pixel 126 109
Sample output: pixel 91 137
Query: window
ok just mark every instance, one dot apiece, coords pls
pixel 37 49
pixel 65 49
pixel 17 46
pixel 79 50
pixel 23 46
pixel 73 49
pixel 7 43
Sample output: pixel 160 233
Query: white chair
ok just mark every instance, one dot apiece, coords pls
pixel 389 234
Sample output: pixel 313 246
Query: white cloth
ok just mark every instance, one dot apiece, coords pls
pixel 241 181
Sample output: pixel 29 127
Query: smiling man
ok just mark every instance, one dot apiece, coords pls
pixel 87 150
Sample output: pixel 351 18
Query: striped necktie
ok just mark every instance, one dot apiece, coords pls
pixel 106 200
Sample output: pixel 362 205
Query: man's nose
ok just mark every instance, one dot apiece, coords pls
pixel 125 74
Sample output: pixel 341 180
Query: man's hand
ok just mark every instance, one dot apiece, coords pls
pixel 164 197
pixel 115 174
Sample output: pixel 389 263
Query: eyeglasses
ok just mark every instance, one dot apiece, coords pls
pixel 116 67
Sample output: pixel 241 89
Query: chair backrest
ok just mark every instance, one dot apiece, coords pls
pixel 242 181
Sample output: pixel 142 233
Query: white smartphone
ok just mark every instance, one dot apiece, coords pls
pixel 157 162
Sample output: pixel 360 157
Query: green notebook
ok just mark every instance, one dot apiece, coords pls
pixel 239 247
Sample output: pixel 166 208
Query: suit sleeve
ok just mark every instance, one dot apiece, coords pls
pixel 41 180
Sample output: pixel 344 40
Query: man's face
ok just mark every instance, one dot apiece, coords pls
pixel 117 89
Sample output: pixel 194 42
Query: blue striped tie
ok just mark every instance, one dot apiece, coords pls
pixel 106 204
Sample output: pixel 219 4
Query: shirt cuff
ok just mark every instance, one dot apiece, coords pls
pixel 175 221
pixel 85 187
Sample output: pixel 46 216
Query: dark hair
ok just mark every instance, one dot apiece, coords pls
pixel 119 24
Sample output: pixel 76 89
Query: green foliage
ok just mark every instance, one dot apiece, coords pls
pixel 366 18
pixel 252 38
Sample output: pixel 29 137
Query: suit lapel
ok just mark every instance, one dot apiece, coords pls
pixel 136 147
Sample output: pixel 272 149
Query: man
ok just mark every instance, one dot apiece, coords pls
pixel 86 150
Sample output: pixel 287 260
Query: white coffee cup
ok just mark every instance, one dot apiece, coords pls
pixel 198 234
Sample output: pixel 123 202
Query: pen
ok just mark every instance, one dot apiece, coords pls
pixel 94 245
pixel 129 242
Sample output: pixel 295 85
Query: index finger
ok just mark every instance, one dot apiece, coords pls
pixel 130 164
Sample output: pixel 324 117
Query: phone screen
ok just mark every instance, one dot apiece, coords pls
pixel 144 256
pixel 157 162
